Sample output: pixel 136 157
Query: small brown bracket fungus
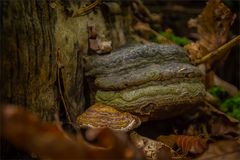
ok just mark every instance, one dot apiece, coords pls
pixel 102 116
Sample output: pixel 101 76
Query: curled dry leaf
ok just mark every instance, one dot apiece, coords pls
pixel 24 130
pixel 100 116
pixel 28 133
pixel 192 144
pixel 213 26
pixel 153 150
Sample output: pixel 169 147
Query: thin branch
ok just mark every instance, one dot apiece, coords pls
pixel 221 51
pixel 83 10
pixel 59 66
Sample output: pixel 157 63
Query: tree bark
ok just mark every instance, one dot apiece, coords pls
pixel 42 48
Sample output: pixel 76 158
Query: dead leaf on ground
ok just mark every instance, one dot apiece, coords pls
pixel 226 149
pixel 153 150
pixel 27 132
pixel 221 127
pixel 169 140
pixel 219 123
pixel 192 144
pixel 216 111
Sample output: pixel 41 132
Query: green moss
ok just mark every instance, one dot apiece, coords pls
pixel 218 92
pixel 231 106
pixel 182 41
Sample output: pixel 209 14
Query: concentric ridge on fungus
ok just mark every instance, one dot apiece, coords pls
pixel 101 116
pixel 133 57
pixel 156 81
pixel 151 72
pixel 137 101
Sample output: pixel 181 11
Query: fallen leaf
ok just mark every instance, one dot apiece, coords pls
pixel 213 25
pixel 169 140
pixel 153 150
pixel 47 140
pixel 192 144
pixel 220 150
pixel 221 128
pixel 218 112
pixel 221 124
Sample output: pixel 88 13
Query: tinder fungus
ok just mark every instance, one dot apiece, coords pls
pixel 154 80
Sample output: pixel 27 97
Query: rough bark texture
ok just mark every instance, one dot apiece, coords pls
pixel 41 53
pixel 42 46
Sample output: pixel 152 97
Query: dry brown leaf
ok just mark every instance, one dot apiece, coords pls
pixel 213 26
pixel 221 124
pixel 218 112
pixel 153 150
pixel 221 127
pixel 226 149
pixel 24 130
pixel 169 140
pixel 192 144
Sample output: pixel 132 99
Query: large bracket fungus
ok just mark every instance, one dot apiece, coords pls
pixel 156 81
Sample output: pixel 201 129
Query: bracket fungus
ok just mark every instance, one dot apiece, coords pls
pixel 102 116
pixel 156 81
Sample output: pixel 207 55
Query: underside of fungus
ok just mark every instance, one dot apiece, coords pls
pixel 102 116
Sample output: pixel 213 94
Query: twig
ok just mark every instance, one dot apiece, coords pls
pixel 83 10
pixel 59 66
pixel 219 51
pixel 144 8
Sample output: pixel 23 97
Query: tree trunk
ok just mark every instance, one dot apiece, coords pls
pixel 42 47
